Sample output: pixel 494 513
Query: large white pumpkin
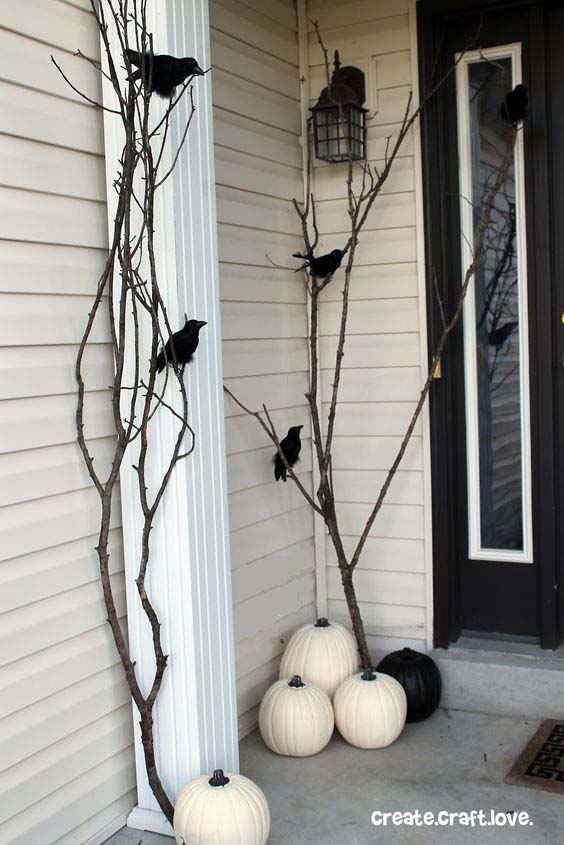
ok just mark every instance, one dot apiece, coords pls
pixel 323 654
pixel 370 709
pixel 221 810
pixel 296 719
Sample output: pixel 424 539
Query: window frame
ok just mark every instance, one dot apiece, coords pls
pixel 476 551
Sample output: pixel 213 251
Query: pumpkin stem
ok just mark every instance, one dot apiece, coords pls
pixel 296 682
pixel 368 675
pixel 218 778
pixel 322 622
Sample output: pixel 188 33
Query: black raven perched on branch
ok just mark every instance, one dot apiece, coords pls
pixel 514 107
pixel 185 342
pixel 165 72
pixel 291 446
pixel 498 336
pixel 324 265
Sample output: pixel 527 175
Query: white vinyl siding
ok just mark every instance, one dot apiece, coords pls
pixel 66 758
pixel 382 365
pixel 258 171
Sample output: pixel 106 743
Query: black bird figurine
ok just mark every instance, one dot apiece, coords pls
pixel 165 72
pixel 290 446
pixel 323 266
pixel 514 107
pixel 498 336
pixel 184 342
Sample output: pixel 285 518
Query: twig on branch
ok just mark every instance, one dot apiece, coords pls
pixel 271 432
pixel 93 103
pixel 324 50
pixel 439 298
pixel 283 266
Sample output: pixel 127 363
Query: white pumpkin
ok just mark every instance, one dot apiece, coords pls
pixel 221 810
pixel 296 719
pixel 323 654
pixel 370 709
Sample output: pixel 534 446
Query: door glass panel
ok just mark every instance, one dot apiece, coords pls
pixel 495 330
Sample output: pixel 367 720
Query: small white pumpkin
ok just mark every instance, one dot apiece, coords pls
pixel 296 719
pixel 370 709
pixel 323 654
pixel 221 810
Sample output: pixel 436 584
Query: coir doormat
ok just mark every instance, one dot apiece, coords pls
pixel 541 763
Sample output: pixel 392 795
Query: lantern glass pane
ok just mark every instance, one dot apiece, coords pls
pixel 339 133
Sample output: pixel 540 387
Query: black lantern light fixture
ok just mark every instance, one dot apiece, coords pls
pixel 339 119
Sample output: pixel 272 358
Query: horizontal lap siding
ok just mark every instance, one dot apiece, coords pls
pixel 381 375
pixel 258 171
pixel 66 757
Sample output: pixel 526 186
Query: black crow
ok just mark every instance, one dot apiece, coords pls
pixel 324 265
pixel 166 72
pixel 290 446
pixel 184 342
pixel 514 107
pixel 497 337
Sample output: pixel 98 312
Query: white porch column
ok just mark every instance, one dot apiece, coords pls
pixel 189 579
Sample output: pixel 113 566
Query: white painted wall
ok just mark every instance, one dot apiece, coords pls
pixel 66 760
pixel 258 171
pixel 385 359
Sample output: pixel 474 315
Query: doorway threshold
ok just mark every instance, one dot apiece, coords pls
pixel 502 677
pixel 501 643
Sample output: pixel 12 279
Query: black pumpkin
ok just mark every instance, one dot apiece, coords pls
pixel 419 676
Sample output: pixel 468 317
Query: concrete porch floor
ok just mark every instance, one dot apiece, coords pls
pixel 454 761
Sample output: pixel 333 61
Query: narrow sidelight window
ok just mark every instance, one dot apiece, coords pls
pixel 495 314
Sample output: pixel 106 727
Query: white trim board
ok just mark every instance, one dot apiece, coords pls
pixel 320 546
pixel 423 333
pixel 190 576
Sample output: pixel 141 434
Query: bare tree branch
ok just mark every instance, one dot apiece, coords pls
pixel 359 206
pixel 485 223
pixel 124 291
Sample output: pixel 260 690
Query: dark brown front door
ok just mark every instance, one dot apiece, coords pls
pixel 497 413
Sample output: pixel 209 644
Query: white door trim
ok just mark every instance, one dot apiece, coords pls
pixel 190 573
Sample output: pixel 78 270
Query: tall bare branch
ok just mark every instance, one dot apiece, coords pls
pixel 129 293
pixel 360 203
